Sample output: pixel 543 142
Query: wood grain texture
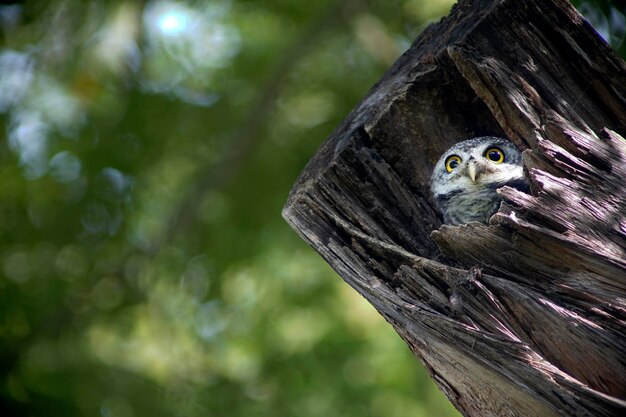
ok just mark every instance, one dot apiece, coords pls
pixel 525 316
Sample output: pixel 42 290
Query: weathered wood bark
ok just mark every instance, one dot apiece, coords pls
pixel 525 316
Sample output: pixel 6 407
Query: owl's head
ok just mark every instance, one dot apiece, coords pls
pixel 468 174
pixel 477 162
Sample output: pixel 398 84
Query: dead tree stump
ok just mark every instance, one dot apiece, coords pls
pixel 524 316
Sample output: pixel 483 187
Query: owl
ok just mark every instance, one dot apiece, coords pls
pixel 467 175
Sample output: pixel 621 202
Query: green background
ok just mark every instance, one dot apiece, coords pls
pixel 147 149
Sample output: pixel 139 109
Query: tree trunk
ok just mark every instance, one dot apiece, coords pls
pixel 524 316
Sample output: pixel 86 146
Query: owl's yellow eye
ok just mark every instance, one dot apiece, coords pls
pixel 495 155
pixel 452 162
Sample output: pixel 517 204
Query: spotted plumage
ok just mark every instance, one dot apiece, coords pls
pixel 466 177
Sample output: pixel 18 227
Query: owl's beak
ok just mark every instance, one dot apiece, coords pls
pixel 471 170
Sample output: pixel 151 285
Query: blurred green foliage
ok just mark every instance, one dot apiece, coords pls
pixel 147 150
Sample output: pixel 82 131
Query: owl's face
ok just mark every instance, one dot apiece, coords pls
pixel 466 177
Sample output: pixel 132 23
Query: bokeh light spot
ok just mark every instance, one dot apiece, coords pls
pixel 172 22
pixel 65 167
